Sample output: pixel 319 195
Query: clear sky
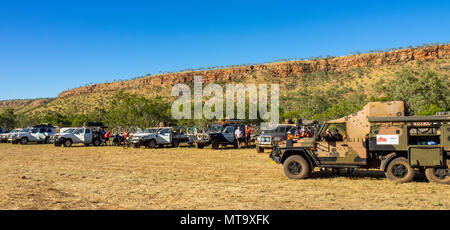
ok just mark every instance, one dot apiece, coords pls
pixel 50 46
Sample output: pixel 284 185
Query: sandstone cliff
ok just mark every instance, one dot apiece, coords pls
pixel 281 69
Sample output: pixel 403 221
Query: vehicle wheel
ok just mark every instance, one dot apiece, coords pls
pixel 175 144
pixel 296 167
pixel 151 144
pixel 400 171
pixel 24 141
pixel 67 143
pixel 438 175
pixel 215 145
pixel 199 146
pixel 259 149
pixel 47 140
pixel 96 142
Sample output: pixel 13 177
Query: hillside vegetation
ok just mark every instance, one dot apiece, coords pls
pixel 320 89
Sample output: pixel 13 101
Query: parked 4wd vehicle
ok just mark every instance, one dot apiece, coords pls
pixel 7 137
pixel 378 136
pixel 80 135
pixel 269 137
pixel 39 134
pixel 153 137
pixel 219 134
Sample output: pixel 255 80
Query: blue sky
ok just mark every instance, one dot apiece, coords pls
pixel 50 46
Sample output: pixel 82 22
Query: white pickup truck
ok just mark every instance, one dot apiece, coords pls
pixel 153 137
pixel 32 134
pixel 78 135
pixel 4 137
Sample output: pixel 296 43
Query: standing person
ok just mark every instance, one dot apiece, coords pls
pixel 107 137
pixel 238 135
pixel 303 131
pixel 248 132
pixel 297 133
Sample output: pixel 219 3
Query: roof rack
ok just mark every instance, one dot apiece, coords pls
pixel 410 119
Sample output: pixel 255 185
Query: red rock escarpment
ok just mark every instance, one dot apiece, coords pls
pixel 278 70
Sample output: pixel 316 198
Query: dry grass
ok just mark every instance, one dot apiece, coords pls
pixel 47 177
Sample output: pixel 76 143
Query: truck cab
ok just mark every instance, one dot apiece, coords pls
pixel 157 136
pixel 77 135
pixel 219 134
pixel 267 138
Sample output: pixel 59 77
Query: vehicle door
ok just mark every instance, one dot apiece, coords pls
pixel 34 135
pixel 164 136
pixel 50 132
pixel 333 151
pixel 78 135
pixel 42 134
pixel 87 136
pixel 279 132
pixel 228 133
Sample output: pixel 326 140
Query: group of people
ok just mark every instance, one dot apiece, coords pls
pixel 333 136
pixel 116 139
pixel 303 132
pixel 243 135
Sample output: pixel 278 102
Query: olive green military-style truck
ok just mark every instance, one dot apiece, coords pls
pixel 379 136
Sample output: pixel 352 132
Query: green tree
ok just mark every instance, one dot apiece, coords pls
pixel 8 119
pixel 419 91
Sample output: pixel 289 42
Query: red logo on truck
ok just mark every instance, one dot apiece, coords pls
pixel 381 139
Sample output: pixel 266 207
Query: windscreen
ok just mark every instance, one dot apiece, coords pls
pixel 214 128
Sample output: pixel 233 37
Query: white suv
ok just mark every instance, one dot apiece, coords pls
pixel 38 134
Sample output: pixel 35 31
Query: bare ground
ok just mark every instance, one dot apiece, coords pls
pixel 48 177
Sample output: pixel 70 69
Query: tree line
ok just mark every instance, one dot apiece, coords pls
pixel 424 93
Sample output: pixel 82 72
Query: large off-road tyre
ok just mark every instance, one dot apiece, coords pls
pixel 24 141
pixel 215 144
pixel 296 167
pixel 175 143
pixel 96 142
pixel 259 149
pixel 198 145
pixel 399 170
pixel 67 143
pixel 438 175
pixel 151 144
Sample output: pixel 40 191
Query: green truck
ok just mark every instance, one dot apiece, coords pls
pixel 379 136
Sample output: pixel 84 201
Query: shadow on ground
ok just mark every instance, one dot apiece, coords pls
pixel 357 174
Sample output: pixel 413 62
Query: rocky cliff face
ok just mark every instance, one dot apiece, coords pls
pixel 279 70
pixel 18 104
